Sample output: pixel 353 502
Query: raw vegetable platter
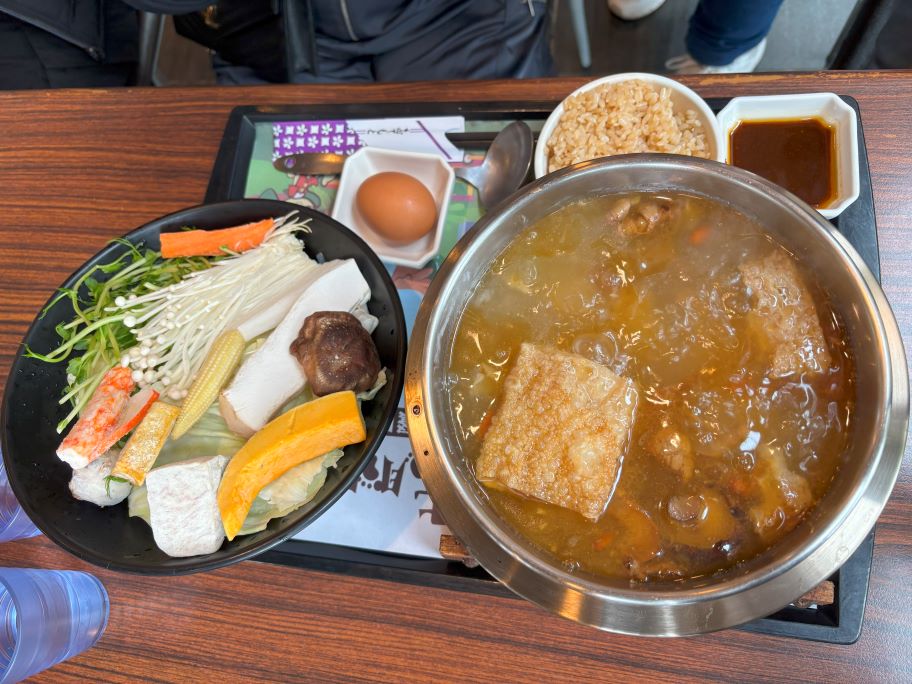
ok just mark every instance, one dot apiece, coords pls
pixel 33 410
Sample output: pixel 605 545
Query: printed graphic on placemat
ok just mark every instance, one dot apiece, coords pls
pixel 344 137
pixel 388 508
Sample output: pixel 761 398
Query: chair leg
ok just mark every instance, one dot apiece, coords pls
pixel 581 31
pixel 856 44
pixel 150 31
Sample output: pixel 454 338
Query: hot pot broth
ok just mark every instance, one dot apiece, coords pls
pixel 730 446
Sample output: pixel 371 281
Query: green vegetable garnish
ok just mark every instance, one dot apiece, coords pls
pixel 97 329
pixel 113 478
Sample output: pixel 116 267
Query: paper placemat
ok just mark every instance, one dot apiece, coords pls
pixel 388 508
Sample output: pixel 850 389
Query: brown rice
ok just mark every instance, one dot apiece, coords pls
pixel 618 118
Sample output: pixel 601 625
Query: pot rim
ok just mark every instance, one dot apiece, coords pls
pixel 580 596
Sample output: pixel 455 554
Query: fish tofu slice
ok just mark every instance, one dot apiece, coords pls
pixel 90 483
pixel 182 506
pixel 785 314
pixel 560 430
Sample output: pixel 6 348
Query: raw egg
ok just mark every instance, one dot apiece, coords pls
pixel 397 206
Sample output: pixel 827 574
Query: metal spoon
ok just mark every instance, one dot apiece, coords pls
pixel 505 166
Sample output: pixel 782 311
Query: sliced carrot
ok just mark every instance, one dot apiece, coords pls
pixel 700 235
pixel 604 541
pixel 739 485
pixel 190 243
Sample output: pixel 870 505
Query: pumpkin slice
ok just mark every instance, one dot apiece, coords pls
pixel 297 436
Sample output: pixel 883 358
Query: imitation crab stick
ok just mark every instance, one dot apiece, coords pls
pixel 190 243
pixel 93 432
pixel 134 411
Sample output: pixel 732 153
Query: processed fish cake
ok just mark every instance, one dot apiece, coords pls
pixel 560 430
pixel 785 313
pixel 183 509
pixel 92 484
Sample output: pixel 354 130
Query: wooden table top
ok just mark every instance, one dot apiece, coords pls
pixel 80 167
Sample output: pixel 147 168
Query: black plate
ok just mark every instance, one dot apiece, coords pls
pixel 108 536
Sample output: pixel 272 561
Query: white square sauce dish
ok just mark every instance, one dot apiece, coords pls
pixel 828 111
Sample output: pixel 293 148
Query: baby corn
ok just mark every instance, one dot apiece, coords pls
pixel 215 372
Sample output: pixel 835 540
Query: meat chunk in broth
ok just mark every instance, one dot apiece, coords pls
pixel 559 431
pixel 784 495
pixel 784 314
pixel 673 448
pixel 640 218
pixel 701 521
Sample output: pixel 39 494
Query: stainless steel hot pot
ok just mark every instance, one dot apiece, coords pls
pixel 810 553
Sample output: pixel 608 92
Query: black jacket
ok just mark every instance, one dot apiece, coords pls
pixel 67 43
pixel 87 24
pixel 366 40
pixel 356 40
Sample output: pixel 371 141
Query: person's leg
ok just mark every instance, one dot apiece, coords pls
pixel 722 30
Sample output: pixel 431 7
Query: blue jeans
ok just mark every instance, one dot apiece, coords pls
pixel 721 30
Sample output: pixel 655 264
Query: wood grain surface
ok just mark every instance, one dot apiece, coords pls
pixel 80 167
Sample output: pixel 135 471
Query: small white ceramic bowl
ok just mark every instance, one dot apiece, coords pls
pixel 433 171
pixel 682 97
pixel 827 106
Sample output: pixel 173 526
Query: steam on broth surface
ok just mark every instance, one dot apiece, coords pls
pixel 744 381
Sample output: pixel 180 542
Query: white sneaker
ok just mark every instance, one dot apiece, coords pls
pixel 631 10
pixel 743 63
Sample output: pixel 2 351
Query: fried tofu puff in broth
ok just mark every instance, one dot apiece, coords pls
pixel 741 374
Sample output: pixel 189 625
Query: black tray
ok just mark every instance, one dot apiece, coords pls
pixel 839 623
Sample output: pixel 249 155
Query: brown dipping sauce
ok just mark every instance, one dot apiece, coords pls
pixel 798 154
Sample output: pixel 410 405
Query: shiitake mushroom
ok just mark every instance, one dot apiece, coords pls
pixel 336 353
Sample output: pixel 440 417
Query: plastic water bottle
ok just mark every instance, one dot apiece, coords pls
pixel 14 523
pixel 47 616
